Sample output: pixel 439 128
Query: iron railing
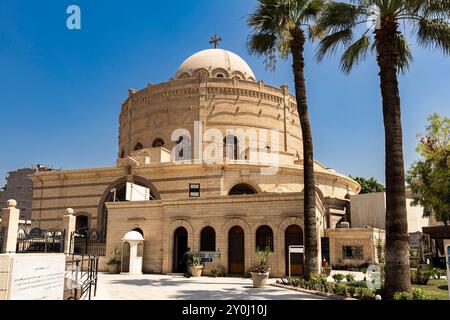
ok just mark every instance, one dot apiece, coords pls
pixel 86 242
pixel 42 241
pixel 81 277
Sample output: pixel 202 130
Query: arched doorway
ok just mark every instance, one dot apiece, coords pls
pixel 180 241
pixel 82 223
pixel 236 251
pixel 293 235
pixel 126 257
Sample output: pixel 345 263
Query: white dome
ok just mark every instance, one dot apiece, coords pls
pixel 218 62
pixel 132 235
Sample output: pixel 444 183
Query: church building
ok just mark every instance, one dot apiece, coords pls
pixel 212 160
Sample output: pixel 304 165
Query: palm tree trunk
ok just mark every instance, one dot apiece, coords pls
pixel 311 242
pixel 397 239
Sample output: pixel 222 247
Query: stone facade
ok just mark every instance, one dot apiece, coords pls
pixel 353 247
pixel 236 191
pixel 19 187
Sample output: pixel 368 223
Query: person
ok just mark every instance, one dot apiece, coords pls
pixel 187 259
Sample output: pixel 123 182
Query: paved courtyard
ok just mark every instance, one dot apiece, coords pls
pixel 162 287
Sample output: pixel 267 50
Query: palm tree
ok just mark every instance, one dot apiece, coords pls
pixel 362 26
pixel 282 26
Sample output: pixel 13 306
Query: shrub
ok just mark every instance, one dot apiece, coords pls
pixel 415 294
pixel 418 277
pixel 365 293
pixel 350 277
pixel 338 277
pixel 261 265
pixel 217 271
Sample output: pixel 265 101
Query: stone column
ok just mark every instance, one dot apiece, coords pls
pixel 10 224
pixel 69 223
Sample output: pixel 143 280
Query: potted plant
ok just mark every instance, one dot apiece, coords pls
pixel 113 264
pixel 196 267
pixel 217 271
pixel 260 269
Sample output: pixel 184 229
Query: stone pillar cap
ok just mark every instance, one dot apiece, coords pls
pixel 11 203
pixel 69 211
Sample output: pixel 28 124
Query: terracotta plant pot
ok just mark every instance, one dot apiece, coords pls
pixel 259 279
pixel 196 271
pixel 113 268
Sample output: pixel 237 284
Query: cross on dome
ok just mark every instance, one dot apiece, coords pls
pixel 215 41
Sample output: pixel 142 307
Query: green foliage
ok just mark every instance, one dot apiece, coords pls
pixel 197 261
pixel 415 294
pixel 369 185
pixel 429 178
pixel 273 23
pixel 418 277
pixel 338 277
pixel 217 271
pixel 350 26
pixel 350 277
pixel 261 265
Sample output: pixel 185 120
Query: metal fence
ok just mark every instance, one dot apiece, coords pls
pixel 86 242
pixel 81 277
pixel 42 241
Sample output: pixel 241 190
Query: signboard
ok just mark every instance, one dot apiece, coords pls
pixel 135 192
pixel 296 249
pixel 207 260
pixel 37 277
pixel 194 190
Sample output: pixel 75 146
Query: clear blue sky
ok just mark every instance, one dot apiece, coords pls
pixel 61 90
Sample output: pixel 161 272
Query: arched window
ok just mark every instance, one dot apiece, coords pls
pixel 208 239
pixel 158 142
pixel 122 154
pixel 138 146
pixel 220 75
pixel 231 147
pixel 240 189
pixel 264 238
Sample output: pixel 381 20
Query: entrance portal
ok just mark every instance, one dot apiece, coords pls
pixel 236 251
pixel 294 236
pixel 126 257
pixel 179 248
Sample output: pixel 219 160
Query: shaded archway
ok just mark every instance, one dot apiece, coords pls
pixel 242 189
pixel 236 251
pixel 82 223
pixel 158 142
pixel 116 191
pixel 293 235
pixel 138 146
pixel 208 239
pixel 139 230
pixel 180 243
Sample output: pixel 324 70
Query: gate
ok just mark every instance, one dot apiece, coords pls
pixel 84 242
pixel 40 241
pixel 81 277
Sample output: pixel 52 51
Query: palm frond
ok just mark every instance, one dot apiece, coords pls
pixel 261 43
pixel 355 53
pixel 405 57
pixel 434 33
pixel 434 9
pixel 330 43
pixel 337 16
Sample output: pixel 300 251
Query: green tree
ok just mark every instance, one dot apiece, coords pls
pixel 369 185
pixel 429 178
pixel 282 27
pixel 381 26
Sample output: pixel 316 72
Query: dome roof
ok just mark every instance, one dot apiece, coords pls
pixel 132 235
pixel 218 62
